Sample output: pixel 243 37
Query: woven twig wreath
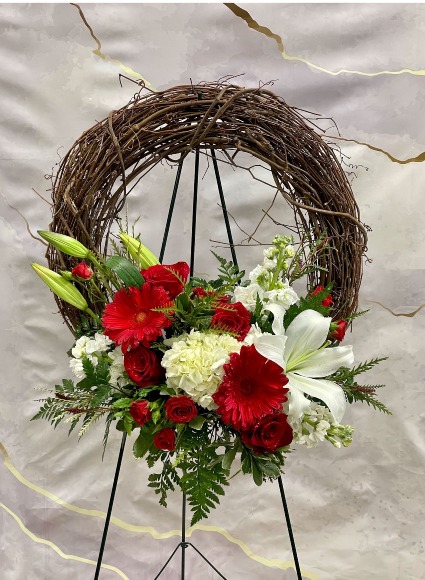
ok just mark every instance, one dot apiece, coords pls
pixel 92 181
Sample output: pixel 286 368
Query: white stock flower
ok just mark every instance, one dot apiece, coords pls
pixel 91 348
pixel 76 365
pixel 269 264
pixel 247 295
pixel 100 343
pixel 284 297
pixel 79 349
pixel 270 252
pixel 312 428
pixel 117 373
pixel 194 364
pixel 257 272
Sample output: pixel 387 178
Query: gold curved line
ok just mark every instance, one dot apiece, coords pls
pixel 418 159
pixel 105 57
pixel 241 13
pixel 39 540
pixel 271 563
pixel 407 314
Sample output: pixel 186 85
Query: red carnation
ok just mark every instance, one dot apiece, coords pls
pixel 165 439
pixel 328 301
pixel 143 366
pixel 270 433
pixel 252 387
pixel 129 319
pixel 81 270
pixel 140 412
pixel 172 277
pixel 180 409
pixel 339 330
pixel 233 318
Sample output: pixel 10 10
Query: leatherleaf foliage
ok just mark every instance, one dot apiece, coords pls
pixel 196 468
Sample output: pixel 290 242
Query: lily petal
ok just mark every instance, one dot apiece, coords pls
pixel 306 333
pixel 271 347
pixel 327 391
pixel 278 312
pixel 326 362
pixel 298 404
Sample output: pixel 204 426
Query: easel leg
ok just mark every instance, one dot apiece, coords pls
pixel 111 503
pixel 288 523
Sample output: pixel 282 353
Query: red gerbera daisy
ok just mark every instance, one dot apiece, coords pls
pixel 252 387
pixel 130 320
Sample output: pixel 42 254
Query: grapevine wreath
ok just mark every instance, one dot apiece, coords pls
pixel 210 374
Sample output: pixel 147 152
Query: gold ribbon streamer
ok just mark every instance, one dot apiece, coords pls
pixel 39 540
pixel 418 159
pixel 270 563
pixel 407 314
pixel 105 57
pixel 241 13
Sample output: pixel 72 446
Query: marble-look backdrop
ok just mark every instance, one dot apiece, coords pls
pixel 358 513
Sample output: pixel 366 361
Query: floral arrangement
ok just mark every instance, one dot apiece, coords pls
pixel 208 373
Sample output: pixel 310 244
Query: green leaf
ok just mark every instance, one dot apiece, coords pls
pixel 156 416
pixel 142 444
pixel 229 457
pixel 256 473
pixel 122 403
pixel 197 422
pixel 127 271
pixel 268 468
pixel 128 423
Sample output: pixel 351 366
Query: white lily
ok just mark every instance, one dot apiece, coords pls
pixel 306 360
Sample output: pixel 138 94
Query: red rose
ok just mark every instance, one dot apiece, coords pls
pixel 143 366
pixel 172 278
pixel 328 301
pixel 270 433
pixel 339 330
pixel 234 318
pixel 81 270
pixel 180 409
pixel 140 412
pixel 199 292
pixel 165 439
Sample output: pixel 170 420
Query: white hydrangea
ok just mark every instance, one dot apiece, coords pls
pixel 247 295
pixel 194 364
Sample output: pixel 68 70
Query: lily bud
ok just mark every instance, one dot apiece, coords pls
pixel 65 244
pixel 61 287
pixel 143 257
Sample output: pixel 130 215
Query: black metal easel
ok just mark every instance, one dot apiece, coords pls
pixel 183 544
